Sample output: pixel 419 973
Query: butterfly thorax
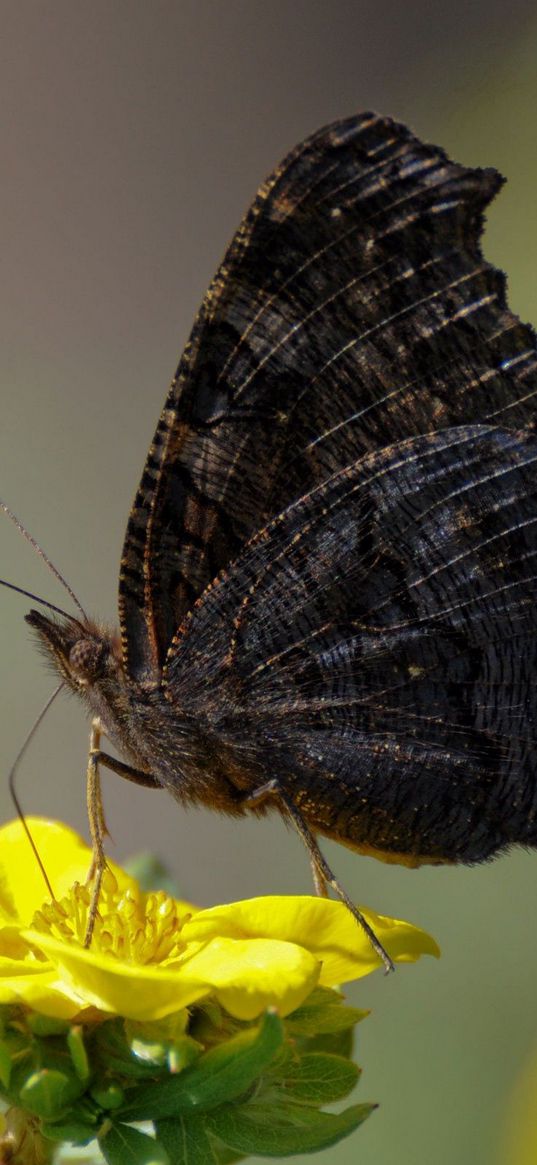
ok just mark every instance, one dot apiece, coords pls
pixel 178 750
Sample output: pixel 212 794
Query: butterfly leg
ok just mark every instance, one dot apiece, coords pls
pixel 127 771
pixel 97 825
pixel 322 871
pixel 321 889
pixel 96 816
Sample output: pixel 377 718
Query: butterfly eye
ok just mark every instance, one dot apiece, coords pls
pixel 86 659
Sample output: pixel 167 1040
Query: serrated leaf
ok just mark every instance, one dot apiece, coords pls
pixel 124 1145
pixel 220 1075
pixel 282 1131
pixel 319 1078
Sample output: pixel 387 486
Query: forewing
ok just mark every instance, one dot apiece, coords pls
pixel 353 309
pixel 381 634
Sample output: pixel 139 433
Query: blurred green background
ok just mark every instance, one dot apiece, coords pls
pixel 132 137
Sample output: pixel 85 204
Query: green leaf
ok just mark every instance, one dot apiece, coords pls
pixel 113 1052
pixel 123 1145
pixel 283 1130
pixel 19 1060
pixel 319 1078
pixel 187 1143
pixel 337 1043
pixel 319 1020
pixel 48 1092
pixel 227 1156
pixel 220 1075
pixel 320 996
pixel 70 1132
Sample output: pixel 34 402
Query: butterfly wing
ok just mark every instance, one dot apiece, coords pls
pixel 375 649
pixel 352 309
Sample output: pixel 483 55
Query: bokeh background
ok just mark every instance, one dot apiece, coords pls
pixel 133 135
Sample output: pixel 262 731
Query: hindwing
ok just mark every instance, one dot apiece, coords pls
pixel 376 647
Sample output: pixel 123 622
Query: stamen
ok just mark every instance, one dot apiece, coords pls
pixel 131 926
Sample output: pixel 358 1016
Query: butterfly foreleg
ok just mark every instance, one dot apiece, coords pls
pixel 131 774
pixel 321 888
pixel 96 818
pixel 97 825
pixel 323 875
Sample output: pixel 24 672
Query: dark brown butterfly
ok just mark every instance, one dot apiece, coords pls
pixel 328 586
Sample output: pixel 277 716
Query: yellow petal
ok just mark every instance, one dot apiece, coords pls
pixel 249 975
pixel 146 963
pixel 65 857
pixel 118 988
pixel 321 926
pixel 246 977
pixel 42 992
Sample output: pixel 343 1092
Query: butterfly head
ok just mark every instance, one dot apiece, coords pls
pixel 82 653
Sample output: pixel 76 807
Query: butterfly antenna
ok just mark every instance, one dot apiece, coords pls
pixel 13 791
pixel 37 599
pixel 26 534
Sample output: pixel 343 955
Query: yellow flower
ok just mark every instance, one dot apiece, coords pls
pixel 152 956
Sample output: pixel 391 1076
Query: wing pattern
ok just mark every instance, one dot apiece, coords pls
pixel 329 572
pixel 377 645
pixel 353 309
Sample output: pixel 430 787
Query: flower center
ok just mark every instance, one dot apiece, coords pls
pixel 131 926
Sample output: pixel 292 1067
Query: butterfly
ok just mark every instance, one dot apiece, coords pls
pixel 327 596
